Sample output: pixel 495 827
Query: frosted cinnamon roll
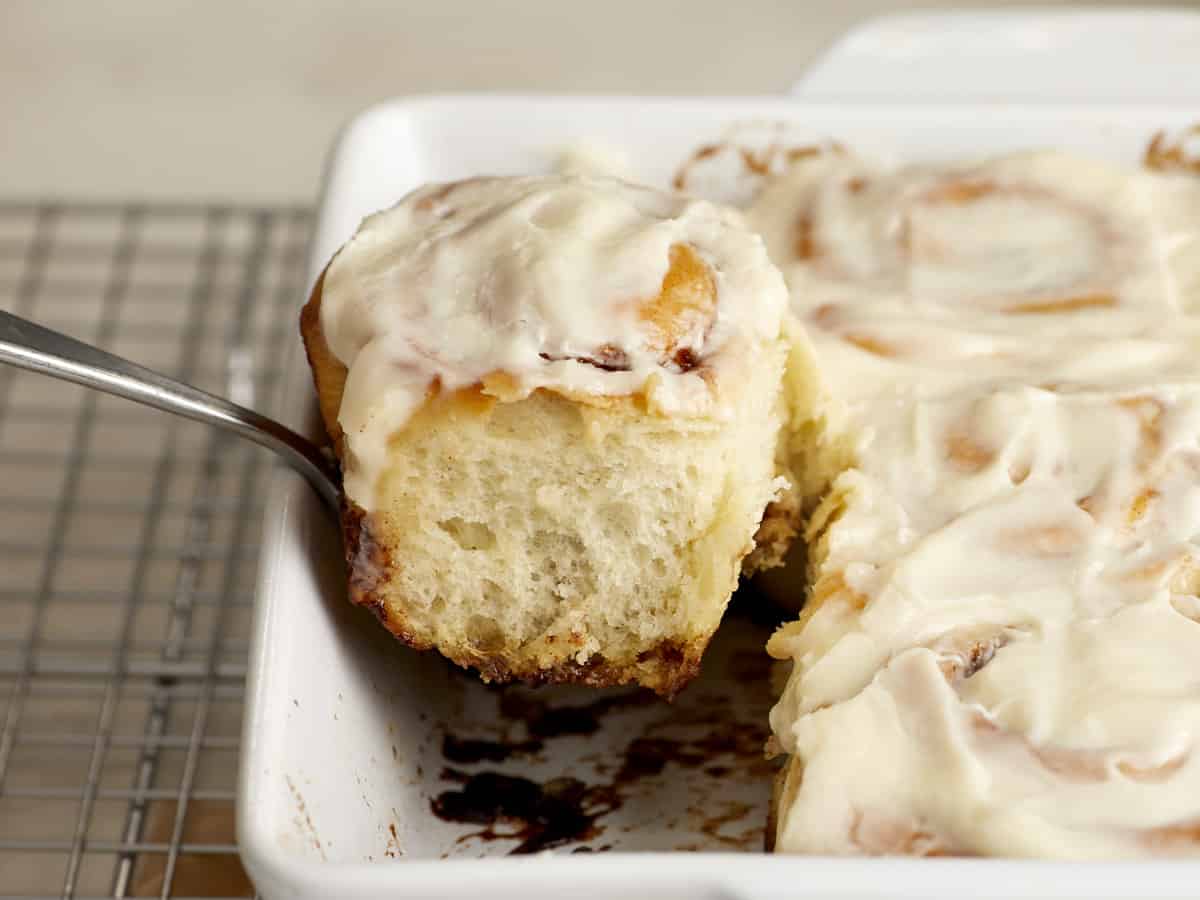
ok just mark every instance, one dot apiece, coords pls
pixel 559 404
pixel 1013 246
pixel 1000 649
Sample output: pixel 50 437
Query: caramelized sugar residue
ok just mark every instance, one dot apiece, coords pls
pixel 542 816
pixel 470 750
pixel 702 736
pixel 565 810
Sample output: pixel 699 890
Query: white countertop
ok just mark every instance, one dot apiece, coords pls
pixel 165 98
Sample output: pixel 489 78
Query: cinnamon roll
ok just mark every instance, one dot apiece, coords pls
pixel 999 652
pixel 561 407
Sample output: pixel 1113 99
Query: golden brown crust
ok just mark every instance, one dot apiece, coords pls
pixel 368 565
pixel 329 375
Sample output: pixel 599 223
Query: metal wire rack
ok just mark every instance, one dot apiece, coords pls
pixel 128 545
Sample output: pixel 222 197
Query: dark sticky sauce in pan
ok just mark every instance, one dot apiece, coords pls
pixel 565 810
pixel 470 750
pixel 542 816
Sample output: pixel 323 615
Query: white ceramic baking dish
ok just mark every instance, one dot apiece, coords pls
pixel 350 738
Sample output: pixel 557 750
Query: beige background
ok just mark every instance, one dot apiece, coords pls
pixel 155 98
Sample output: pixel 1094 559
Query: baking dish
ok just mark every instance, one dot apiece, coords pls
pixel 350 739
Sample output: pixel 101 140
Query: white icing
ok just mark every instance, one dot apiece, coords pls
pixel 529 277
pixel 1018 362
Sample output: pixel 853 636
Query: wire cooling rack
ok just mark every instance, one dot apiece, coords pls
pixel 128 543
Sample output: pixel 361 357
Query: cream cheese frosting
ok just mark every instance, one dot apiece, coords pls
pixel 1001 652
pixel 544 282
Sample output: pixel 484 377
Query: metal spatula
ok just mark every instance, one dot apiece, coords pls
pixel 30 346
